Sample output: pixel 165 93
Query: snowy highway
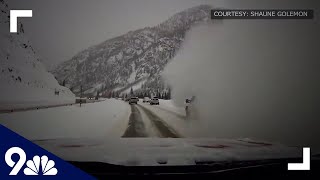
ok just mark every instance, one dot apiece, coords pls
pixel 109 118
pixel 144 122
pixel 136 127
pixel 115 132
pixel 164 129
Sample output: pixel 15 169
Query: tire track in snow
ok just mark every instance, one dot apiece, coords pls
pixel 173 113
pixel 136 127
pixel 164 129
pixel 151 130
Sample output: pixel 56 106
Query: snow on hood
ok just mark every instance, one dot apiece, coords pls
pixel 166 151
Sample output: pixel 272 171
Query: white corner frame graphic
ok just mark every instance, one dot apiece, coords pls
pixel 305 165
pixel 14 14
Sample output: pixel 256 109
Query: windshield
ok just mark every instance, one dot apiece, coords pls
pixel 160 83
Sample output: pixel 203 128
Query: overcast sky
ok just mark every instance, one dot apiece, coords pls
pixel 59 29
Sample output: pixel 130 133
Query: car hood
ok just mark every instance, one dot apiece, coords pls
pixel 168 151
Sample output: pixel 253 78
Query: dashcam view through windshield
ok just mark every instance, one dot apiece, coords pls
pixel 115 85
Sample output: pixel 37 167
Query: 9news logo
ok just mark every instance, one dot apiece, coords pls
pixel 21 158
pixel 36 166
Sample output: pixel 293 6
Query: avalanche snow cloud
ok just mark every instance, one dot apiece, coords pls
pixel 253 79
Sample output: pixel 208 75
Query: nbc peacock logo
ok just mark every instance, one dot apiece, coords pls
pixel 38 166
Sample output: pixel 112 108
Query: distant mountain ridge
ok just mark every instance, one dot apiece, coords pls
pixel 133 59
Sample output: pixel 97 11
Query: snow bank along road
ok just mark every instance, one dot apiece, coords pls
pixel 31 107
pixel 95 120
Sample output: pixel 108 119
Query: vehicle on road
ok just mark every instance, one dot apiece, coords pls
pixel 146 100
pixel 133 100
pixel 154 100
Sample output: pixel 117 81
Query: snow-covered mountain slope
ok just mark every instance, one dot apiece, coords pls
pixel 125 61
pixel 24 81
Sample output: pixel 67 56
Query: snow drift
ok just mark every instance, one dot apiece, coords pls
pixel 254 79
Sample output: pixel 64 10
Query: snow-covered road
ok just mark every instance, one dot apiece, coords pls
pixel 115 132
pixel 175 118
pixel 164 120
pixel 110 118
pixel 136 126
pixel 163 128
pixel 143 122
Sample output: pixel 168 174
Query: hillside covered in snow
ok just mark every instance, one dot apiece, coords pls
pixel 24 81
pixel 135 59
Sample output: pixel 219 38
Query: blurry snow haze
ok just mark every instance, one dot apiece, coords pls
pixel 252 79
